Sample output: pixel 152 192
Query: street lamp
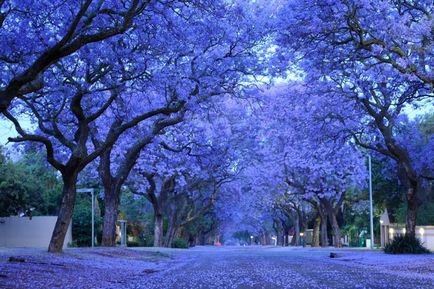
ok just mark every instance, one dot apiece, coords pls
pixel 251 240
pixel 391 232
pixel 302 239
pixel 90 190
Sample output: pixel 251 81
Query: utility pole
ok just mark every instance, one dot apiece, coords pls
pixel 371 203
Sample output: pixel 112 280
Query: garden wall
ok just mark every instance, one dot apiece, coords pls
pixel 424 233
pixel 26 232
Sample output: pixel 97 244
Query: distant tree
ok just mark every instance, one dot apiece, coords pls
pixel 28 186
pixel 211 62
pixel 183 173
pixel 86 98
pixel 376 55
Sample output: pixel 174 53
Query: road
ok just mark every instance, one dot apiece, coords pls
pixel 259 267
pixel 213 267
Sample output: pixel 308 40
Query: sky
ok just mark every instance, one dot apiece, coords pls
pixel 7 129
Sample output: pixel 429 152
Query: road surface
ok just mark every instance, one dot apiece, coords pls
pixel 259 267
pixel 213 267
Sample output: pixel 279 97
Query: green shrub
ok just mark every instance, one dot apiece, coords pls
pixel 133 244
pixel 137 242
pixel 141 242
pixel 72 244
pixel 148 241
pixel 405 244
pixel 82 222
pixel 179 243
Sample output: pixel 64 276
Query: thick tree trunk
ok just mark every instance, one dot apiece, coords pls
pixel 111 200
pixel 286 235
pixel 261 238
pixel 409 179
pixel 158 230
pixel 324 237
pixel 296 237
pixel 111 211
pixel 406 173
pixel 335 229
pixel 171 235
pixel 65 212
pixel 316 232
pixel 277 230
pixel 280 237
pixel 412 206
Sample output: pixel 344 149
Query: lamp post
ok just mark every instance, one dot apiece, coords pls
pixel 123 232
pixel 371 217
pixel 302 238
pixel 90 190
pixel 251 240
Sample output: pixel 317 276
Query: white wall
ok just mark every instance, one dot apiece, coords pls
pixel 424 233
pixel 23 232
pixel 427 237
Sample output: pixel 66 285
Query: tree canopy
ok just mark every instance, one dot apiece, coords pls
pixel 232 116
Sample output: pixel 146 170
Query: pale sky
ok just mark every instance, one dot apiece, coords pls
pixel 7 129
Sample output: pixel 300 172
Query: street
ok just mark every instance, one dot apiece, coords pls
pixel 213 267
pixel 258 267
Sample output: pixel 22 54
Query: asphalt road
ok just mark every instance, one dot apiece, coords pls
pixel 213 267
pixel 258 267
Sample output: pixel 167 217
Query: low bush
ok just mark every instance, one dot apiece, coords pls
pixel 133 244
pixel 405 244
pixel 138 242
pixel 148 241
pixel 180 243
pixel 72 244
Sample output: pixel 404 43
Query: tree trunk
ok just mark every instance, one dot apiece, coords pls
pixel 280 237
pixel 412 207
pixel 316 232
pixel 65 212
pixel 171 235
pixel 335 228
pixel 111 211
pixel 324 238
pixel 286 234
pixel 296 237
pixel 172 229
pixel 158 230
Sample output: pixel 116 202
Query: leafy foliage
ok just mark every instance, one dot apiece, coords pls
pixel 82 222
pixel 425 215
pixel 180 243
pixel 28 186
pixel 171 110
pixel 405 244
